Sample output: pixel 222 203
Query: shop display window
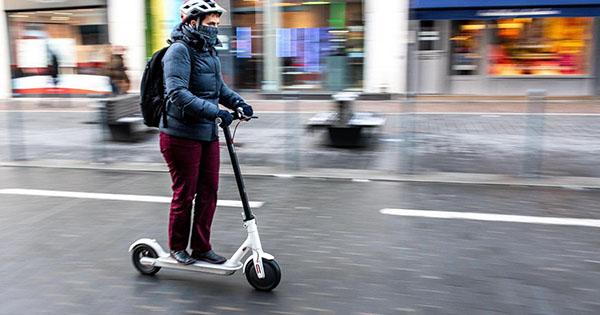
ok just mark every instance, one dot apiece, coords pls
pixel 466 47
pixel 542 46
pixel 320 45
pixel 59 51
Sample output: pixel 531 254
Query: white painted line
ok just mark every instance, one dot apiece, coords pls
pixel 391 140
pixel 486 113
pixel 284 175
pixel 315 112
pixel 119 197
pixel 284 112
pixel 490 116
pixel 37 111
pixel 491 217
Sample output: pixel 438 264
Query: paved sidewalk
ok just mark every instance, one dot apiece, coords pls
pixel 443 144
pixel 582 105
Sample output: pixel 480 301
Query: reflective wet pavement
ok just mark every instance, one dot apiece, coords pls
pixel 338 253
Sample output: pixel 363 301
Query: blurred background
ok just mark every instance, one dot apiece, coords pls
pixel 532 60
pixel 453 47
pixel 373 113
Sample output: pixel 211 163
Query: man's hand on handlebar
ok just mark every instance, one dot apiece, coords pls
pixel 224 118
pixel 246 109
pixel 242 114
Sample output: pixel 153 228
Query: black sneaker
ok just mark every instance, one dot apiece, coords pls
pixel 209 256
pixel 182 257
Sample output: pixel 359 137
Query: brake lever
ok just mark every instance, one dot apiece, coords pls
pixel 239 114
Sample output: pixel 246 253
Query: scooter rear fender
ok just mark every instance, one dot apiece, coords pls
pixel 152 243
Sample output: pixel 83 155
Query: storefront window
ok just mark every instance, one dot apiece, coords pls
pixel 543 46
pixel 59 51
pixel 319 44
pixel 429 36
pixel 465 45
pixel 247 43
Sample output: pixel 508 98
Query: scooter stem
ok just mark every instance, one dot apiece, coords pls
pixel 238 175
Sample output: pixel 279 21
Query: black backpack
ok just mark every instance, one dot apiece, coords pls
pixel 152 88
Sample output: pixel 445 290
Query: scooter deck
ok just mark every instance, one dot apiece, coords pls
pixel 224 269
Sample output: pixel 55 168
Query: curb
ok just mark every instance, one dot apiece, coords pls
pixel 575 183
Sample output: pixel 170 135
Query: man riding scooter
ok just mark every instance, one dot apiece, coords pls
pixel 189 137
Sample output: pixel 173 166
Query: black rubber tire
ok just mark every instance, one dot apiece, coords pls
pixel 272 275
pixel 139 252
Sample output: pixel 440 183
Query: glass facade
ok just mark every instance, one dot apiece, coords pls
pixel 543 46
pixel 59 51
pixel 319 44
pixel 466 45
pixel 429 36
pixel 247 43
pixel 522 47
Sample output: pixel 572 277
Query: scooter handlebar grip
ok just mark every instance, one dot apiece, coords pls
pixel 239 114
pixel 236 115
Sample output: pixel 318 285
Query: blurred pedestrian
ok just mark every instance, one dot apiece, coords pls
pixel 53 68
pixel 189 135
pixel 117 71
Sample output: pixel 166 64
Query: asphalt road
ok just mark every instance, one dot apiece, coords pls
pixel 338 253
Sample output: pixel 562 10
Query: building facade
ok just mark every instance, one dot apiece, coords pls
pixel 71 38
pixel 68 38
pixel 442 47
pixel 287 45
pixel 506 47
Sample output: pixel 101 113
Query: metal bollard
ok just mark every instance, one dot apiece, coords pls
pixel 534 142
pixel 293 130
pixel 98 147
pixel 16 131
pixel 407 130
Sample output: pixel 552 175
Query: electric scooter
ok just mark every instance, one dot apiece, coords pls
pixel 260 268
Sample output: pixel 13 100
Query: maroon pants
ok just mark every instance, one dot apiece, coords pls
pixel 194 168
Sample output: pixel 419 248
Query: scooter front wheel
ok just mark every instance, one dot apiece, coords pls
pixel 272 275
pixel 140 252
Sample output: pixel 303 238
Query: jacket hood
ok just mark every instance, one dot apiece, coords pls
pixel 191 36
pixel 177 33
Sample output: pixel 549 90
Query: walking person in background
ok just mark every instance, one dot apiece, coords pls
pixel 117 71
pixel 189 140
pixel 54 69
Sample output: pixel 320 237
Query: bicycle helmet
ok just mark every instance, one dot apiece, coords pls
pixel 194 8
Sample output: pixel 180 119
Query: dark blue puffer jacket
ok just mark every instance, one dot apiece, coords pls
pixel 194 92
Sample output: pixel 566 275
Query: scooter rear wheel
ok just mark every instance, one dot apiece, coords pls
pixel 140 252
pixel 272 275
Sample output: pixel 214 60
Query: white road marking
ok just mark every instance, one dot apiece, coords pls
pixel 119 197
pixel 486 113
pixel 284 176
pixel 491 217
pixel 61 111
pixel 315 112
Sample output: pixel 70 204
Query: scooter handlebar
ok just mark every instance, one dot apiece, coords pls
pixel 237 114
